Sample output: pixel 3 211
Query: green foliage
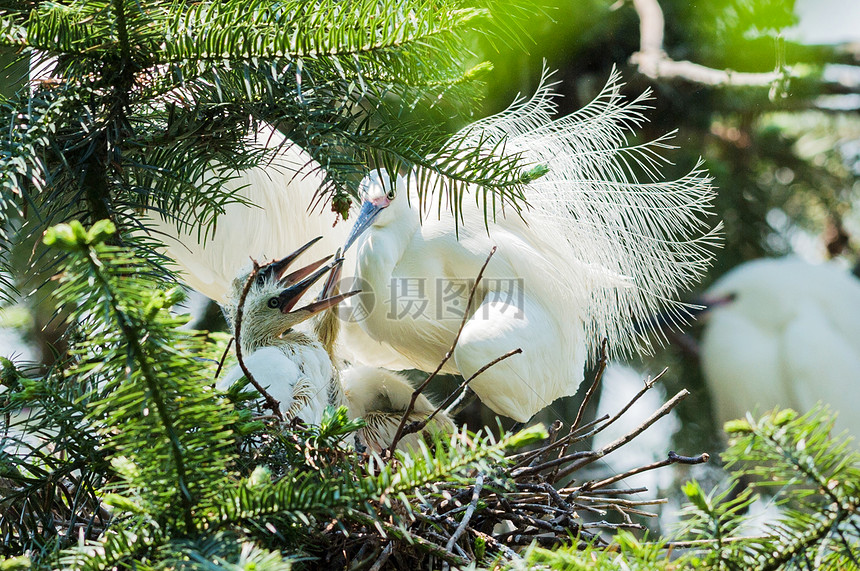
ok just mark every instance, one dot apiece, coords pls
pixel 149 103
pixel 625 552
pixel 127 444
pixel 132 424
pixel 813 477
pixel 122 455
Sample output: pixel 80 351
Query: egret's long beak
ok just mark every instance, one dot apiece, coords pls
pixel 324 304
pixel 369 211
pixel 291 295
pixel 302 273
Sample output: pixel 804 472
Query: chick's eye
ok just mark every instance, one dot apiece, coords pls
pixel 391 194
pixel 274 302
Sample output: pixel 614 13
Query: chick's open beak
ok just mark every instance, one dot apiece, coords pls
pixel 291 295
pixel 278 267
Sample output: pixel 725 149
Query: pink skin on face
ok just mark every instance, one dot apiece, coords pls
pixel 380 201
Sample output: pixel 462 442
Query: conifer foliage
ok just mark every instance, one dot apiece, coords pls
pixel 134 101
pixel 123 455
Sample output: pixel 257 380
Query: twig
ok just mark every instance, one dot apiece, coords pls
pixel 494 543
pixel 420 424
pixel 552 463
pixel 417 392
pixel 383 557
pixel 598 376
pixel 660 413
pixel 476 493
pixel 224 357
pixel 553 431
pixel 701 542
pixel 654 62
pixel 649 384
pixel 672 459
pixel 403 535
pixel 271 403
pixel 525 457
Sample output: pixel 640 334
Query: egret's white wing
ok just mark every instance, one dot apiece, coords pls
pixel 276 222
pixel 299 385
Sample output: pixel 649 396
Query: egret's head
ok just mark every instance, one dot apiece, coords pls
pixel 378 195
pixel 270 305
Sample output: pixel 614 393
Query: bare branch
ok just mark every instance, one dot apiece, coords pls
pixel 419 425
pixel 476 493
pixel 654 62
pixel 417 392
pixel 598 376
pixel 224 357
pixel 271 403
pixel 671 459
pixel 383 557
pixel 660 413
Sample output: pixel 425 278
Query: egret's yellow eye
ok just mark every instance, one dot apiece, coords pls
pixel 391 194
pixel 274 302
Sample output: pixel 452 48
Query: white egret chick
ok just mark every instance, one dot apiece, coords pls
pixel 381 398
pixel 593 253
pixel 782 332
pixel 281 350
pixel 289 354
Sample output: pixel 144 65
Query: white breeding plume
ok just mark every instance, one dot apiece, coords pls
pixel 596 252
pixel 275 218
pixel 782 332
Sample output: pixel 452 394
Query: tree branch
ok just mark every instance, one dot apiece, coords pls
pixel 271 402
pixel 654 62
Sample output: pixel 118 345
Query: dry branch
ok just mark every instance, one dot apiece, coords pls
pixel 654 62
pixel 271 402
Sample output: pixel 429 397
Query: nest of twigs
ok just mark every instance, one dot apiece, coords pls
pixel 534 499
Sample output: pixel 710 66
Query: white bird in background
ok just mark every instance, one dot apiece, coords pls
pixel 783 332
pixel 289 354
pixel 595 252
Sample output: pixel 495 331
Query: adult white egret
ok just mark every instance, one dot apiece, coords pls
pixel 286 355
pixel 783 332
pixel 594 253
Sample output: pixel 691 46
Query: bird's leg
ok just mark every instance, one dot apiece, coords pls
pixel 467 396
pixel 517 427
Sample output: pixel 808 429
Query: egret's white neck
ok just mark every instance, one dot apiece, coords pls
pixel 390 236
